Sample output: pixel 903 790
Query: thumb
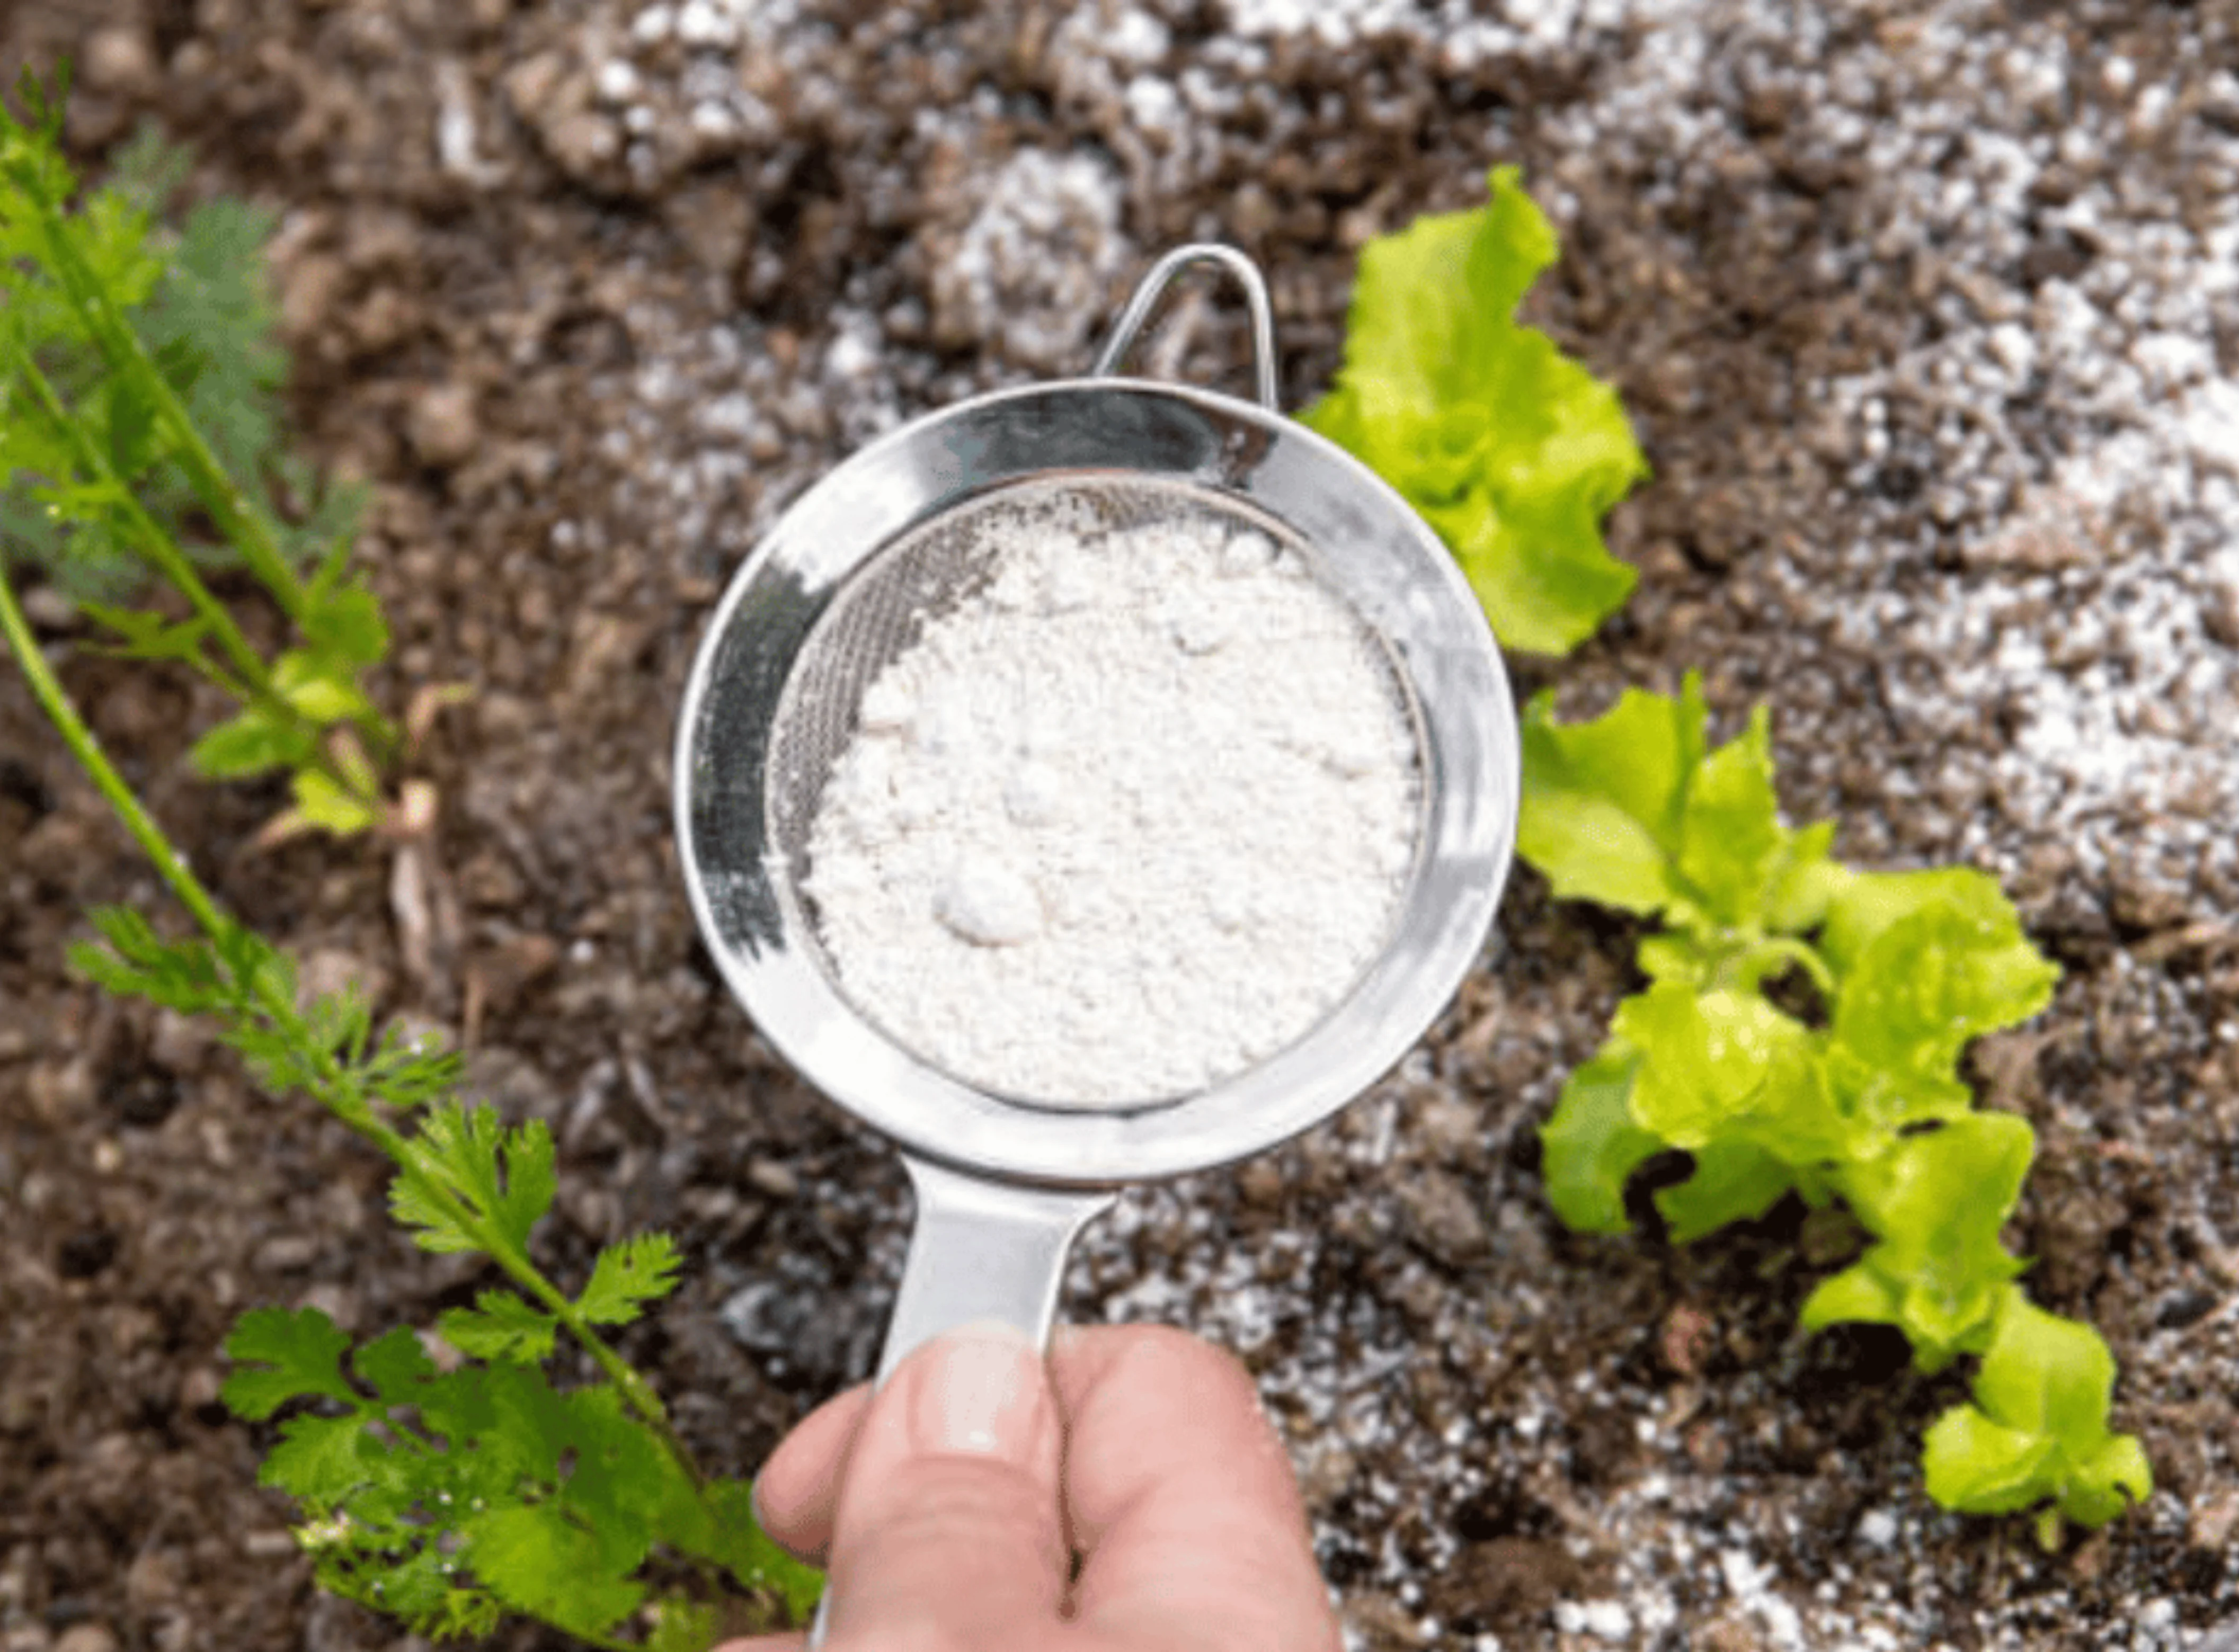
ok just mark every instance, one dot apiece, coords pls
pixel 948 1529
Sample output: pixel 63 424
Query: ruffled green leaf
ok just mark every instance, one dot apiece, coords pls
pixel 255 741
pixel 1604 800
pixel 1973 1464
pixel 1592 1145
pixel 1711 1062
pixel 1510 449
pixel 505 1177
pixel 2038 1431
pixel 1925 961
pixel 1735 1180
pixel 1937 1201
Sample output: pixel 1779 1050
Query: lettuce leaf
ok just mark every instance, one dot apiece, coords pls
pixel 1510 449
pixel 1592 1144
pixel 1635 810
pixel 2038 1432
pixel 1938 1271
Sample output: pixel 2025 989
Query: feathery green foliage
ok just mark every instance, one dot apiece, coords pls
pixel 450 1498
pixel 137 438
pixel 193 290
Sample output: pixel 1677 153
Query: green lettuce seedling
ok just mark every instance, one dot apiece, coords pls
pixel 1509 448
pixel 2036 1435
pixel 1513 452
pixel 1863 1103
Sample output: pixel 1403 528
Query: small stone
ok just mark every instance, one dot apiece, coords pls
pixel 616 80
pixel 700 23
pixel 1518 1576
pixel 154 1577
pixel 1732 1633
pixel 510 1080
pixel 93 1636
pixel 308 290
pixel 442 426
pixel 123 61
pixel 201 1386
pixel 1380 1620
pixel 1328 1475
pixel 582 144
pixel 531 86
pixel 329 972
pixel 2144 901
pixel 1606 1620
pixel 775 1179
pixel 1444 1218
pixel 1261 1184
pixel 2214 1521
pixel 285 1253
pixel 338 1302
pixel 178 1043
pixel 1449 1129
pixel 49 609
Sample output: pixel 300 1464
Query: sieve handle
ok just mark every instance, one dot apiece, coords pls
pixel 982 1250
pixel 978 1249
pixel 1152 287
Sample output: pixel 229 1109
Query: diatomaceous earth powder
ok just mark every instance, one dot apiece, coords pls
pixel 1126 820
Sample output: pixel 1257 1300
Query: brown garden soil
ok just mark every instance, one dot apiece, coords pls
pixel 584 339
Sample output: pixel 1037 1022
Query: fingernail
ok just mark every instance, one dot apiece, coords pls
pixel 979 1391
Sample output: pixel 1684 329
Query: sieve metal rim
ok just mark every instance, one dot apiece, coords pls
pixel 1416 599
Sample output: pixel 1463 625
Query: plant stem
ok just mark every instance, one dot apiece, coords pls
pixel 256 687
pixel 47 689
pixel 154 543
pixel 228 506
pixel 331 1080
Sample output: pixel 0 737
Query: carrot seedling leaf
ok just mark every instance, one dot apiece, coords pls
pixel 639 1270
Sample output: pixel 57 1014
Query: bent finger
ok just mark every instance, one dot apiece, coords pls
pixel 798 1490
pixel 949 1528
pixel 1183 1499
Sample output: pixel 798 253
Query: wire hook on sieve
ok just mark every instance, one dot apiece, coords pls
pixel 1153 287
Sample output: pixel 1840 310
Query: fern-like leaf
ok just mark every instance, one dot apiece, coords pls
pixel 639 1270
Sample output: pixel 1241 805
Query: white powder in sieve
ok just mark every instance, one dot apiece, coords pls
pixel 1128 819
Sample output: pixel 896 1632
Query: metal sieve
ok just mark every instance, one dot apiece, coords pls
pixel 845 581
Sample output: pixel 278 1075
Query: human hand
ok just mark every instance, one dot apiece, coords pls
pixel 954 1501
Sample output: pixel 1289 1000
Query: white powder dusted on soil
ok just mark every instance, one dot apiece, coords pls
pixel 1128 819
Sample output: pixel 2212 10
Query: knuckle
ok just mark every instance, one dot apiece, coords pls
pixel 1176 1358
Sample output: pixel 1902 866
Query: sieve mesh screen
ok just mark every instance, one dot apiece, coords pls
pixel 885 606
